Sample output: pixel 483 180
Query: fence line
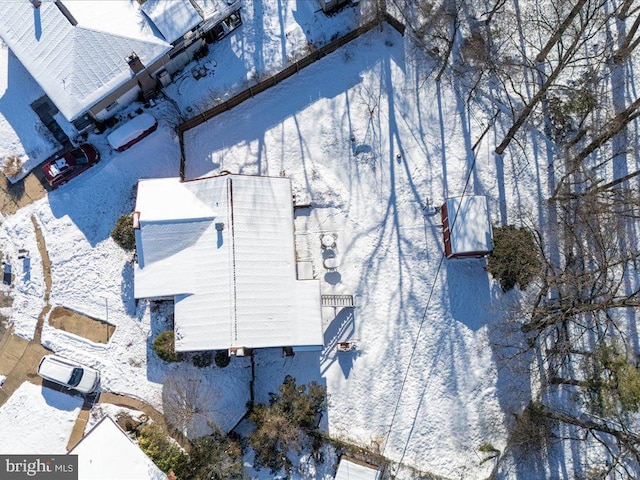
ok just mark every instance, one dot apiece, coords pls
pixel 276 78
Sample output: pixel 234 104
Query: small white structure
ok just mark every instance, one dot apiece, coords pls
pixel 330 5
pixel 107 452
pixel 223 248
pixel 349 470
pixel 466 227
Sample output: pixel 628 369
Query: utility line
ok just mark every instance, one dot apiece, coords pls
pixel 424 316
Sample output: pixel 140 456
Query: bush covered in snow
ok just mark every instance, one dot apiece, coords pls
pixel 287 423
pixel 164 452
pixel 164 347
pixel 514 260
pixel 222 358
pixel 12 166
pixel 123 233
pixel 202 359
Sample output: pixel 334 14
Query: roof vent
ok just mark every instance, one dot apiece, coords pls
pixel 65 11
pixel 135 63
pixel 36 3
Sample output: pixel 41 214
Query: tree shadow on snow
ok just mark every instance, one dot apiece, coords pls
pixel 469 291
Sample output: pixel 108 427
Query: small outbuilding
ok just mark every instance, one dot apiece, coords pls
pixel 350 470
pixel 466 227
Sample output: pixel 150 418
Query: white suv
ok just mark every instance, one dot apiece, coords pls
pixel 68 373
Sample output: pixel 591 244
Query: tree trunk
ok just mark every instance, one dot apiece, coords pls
pixel 526 111
pixel 558 33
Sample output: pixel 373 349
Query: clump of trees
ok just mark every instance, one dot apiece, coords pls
pixel 287 424
pixel 611 381
pixel 211 457
pixel 123 233
pixel 160 448
pixel 164 346
pixel 514 260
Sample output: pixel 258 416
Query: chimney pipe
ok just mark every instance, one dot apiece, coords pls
pixel 65 11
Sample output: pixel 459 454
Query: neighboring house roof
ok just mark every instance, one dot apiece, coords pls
pixel 348 470
pixel 469 224
pixel 173 19
pixel 223 247
pixel 107 452
pixel 209 8
pixel 78 65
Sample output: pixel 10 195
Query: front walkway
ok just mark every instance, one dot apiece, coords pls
pixel 19 360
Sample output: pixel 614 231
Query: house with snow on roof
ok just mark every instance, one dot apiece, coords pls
pixel 223 249
pixel 92 58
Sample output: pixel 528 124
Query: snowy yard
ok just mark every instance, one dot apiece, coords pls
pixel 272 36
pixel 38 420
pixel 376 149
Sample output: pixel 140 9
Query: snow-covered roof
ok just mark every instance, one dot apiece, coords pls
pixel 224 248
pixel 212 8
pixel 107 452
pixel 348 470
pixel 469 224
pixel 173 19
pixel 78 65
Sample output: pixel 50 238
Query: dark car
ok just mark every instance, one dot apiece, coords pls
pixel 63 167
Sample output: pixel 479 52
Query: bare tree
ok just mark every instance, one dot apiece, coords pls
pixel 185 404
pixel 583 29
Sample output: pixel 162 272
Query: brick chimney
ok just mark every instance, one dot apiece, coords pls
pixel 135 64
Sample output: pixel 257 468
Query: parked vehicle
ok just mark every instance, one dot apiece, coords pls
pixel 63 167
pixel 68 373
pixel 132 132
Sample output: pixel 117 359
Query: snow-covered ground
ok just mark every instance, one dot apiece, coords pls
pixel 37 420
pixel 376 152
pixel 272 36
pixel 375 148
pixel 92 275
pixel 21 131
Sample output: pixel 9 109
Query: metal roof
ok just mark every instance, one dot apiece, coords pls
pixel 223 247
